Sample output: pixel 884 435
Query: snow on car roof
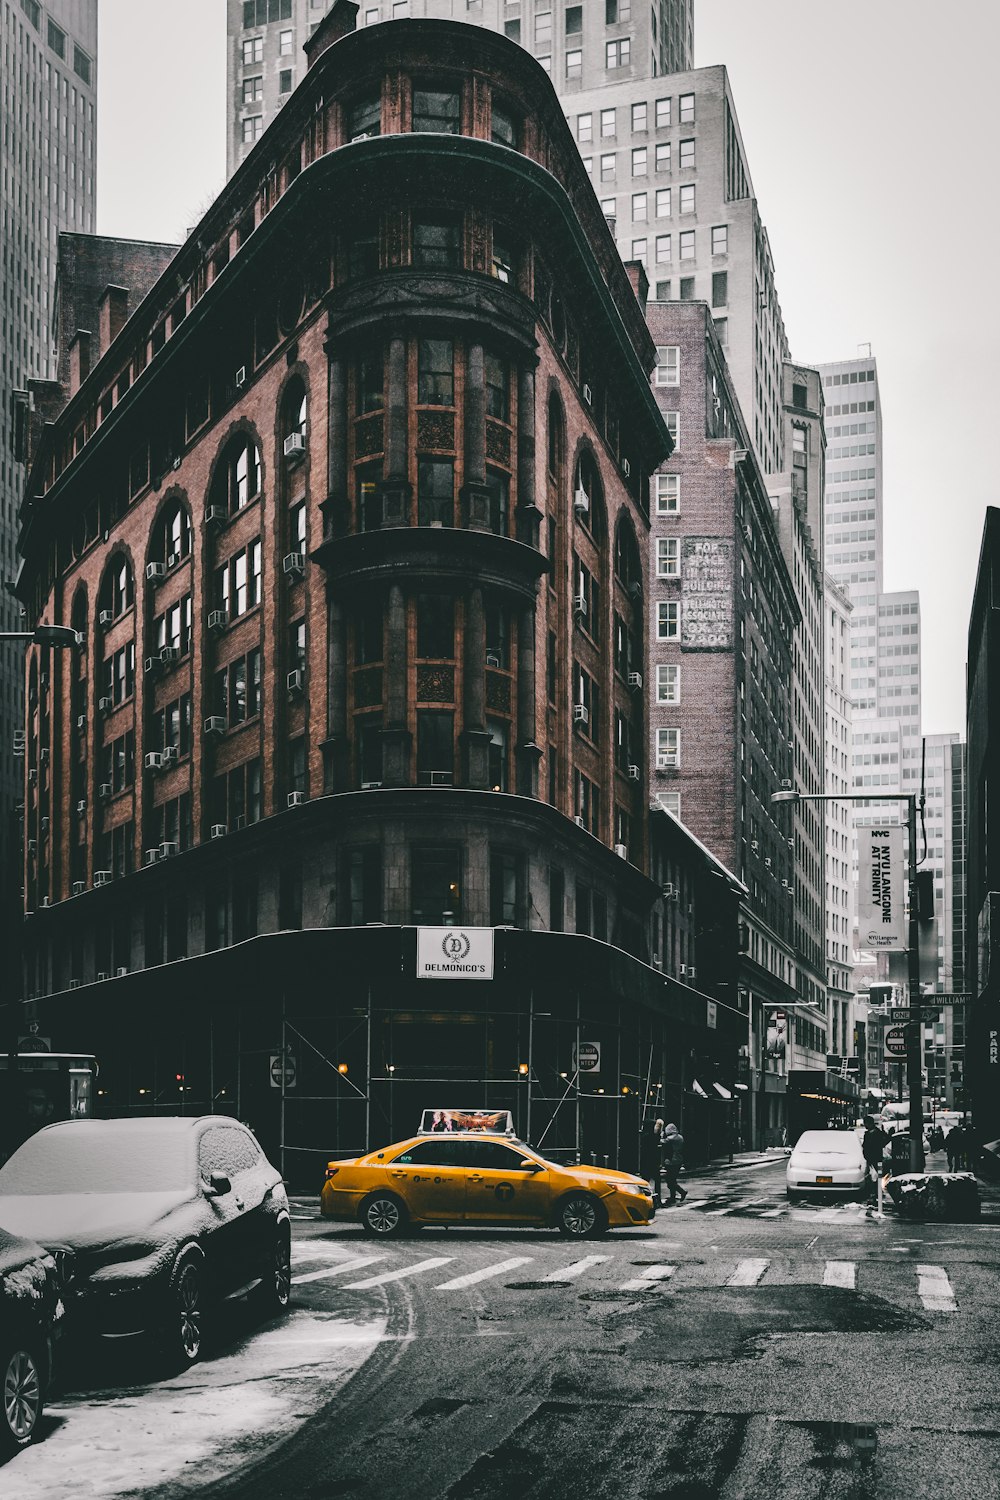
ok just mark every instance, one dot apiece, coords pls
pixel 105 1156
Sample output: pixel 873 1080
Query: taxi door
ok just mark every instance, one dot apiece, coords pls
pixel 501 1190
pixel 430 1180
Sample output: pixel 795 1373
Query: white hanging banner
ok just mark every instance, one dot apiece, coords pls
pixel 881 914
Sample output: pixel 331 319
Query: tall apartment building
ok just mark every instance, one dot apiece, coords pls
pixel 660 140
pixel 49 95
pixel 797 498
pixel 838 714
pixel 580 46
pixel 944 813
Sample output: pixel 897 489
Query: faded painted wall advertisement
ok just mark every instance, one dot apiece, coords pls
pixel 707 594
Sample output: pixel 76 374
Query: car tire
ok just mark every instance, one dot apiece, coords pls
pixel 792 1197
pixel 275 1290
pixel 182 1329
pixel 581 1217
pixel 22 1395
pixel 383 1216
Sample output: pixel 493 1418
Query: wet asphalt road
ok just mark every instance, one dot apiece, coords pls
pixel 738 1348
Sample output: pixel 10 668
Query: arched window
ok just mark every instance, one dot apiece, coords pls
pixel 628 566
pixel 294 410
pixel 238 478
pixel 556 440
pixel 172 536
pixel 117 589
pixel 588 499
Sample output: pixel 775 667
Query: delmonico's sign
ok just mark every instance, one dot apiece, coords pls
pixel 454 952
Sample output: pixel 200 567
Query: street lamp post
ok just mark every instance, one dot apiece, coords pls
pixel 915 1029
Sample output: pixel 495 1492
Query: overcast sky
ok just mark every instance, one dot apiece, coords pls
pixel 870 131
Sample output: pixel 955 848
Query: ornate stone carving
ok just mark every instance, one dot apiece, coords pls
pixel 368 436
pixel 436 429
pixel 435 684
pixel 498 692
pixel 498 443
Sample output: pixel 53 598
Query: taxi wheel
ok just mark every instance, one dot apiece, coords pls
pixel 383 1216
pixel 21 1395
pixel 581 1217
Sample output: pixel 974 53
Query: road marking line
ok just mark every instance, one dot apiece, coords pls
pixel 321 1250
pixel 770 1213
pixel 935 1290
pixel 697 1203
pixel 569 1273
pixel 484 1275
pixel 840 1273
pixel 648 1279
pixel 748 1272
pixel 420 1265
pixel 354 1264
pixel 715 1212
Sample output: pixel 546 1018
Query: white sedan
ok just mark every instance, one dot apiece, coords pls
pixel 826 1161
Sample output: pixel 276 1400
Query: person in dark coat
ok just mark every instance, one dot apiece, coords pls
pixel 673 1161
pixel 957 1147
pixel 650 1155
pixel 873 1146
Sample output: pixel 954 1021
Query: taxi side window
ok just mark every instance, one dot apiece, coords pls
pixel 497 1157
pixel 430 1154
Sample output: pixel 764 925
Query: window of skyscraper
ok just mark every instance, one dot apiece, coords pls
pixel 668 365
pixel 639 116
pixel 638 249
pixel 639 207
pixel 285 81
pixel 663 256
pixel 81 64
pixel 639 159
pixel 617 10
pixel 617 54
pixel 607 166
pixel 687 199
pixel 607 122
pixel 284 43
pixel 687 155
pixel 585 128
pixel 687 246
pixel 56 39
pixel 720 288
pixel 574 20
pixel 720 239
pixel 253 51
pixel 686 108
pixel 574 63
pixel 662 113
pixel 663 156
pixel 543 26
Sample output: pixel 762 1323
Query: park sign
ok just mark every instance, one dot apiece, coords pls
pixel 881 918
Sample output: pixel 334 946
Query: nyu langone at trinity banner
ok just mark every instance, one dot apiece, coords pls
pixel 881 917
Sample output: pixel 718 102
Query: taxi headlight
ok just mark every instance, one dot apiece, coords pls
pixel 643 1189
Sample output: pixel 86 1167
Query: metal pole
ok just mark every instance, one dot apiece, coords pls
pixel 531 1040
pixel 368 1080
pixel 914 1045
pixel 284 1078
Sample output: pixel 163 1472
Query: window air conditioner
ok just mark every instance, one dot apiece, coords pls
pixel 74 984
pixel 153 761
pixel 169 756
pixel 217 619
pixel 32 775
pixel 32 846
pixel 634 773
pixel 657 962
pixel 635 681
pixel 101 974
pixel 791 843
pixel 79 886
pixel 786 786
pixel 666 760
pixel 173 560
pixel 581 502
pixel 767 862
pixel 215 724
pixel 151 665
pixel 579 821
pixel 294 564
pixel 626 468
pixel 692 972
pixel 441 778
pixel 45 901
pixel 240 378
pixel 492 660
pixel 669 891
pixel 296 799
pixel 295 445
pixel 755 846
pixel 43 754
pixel 152 855
pixel 81 807
pixel 622 851
pixel 81 723
pixel 155 571
pixel 105 705
pixel 168 849
pixel 294 681
pixel 241 821
pixel 580 605
pixel 105 619
pixel 581 713
pixel 104 791
pixel 102 877
pixel 588 394
pixel 170 653
pixel 215 515
pixel 218 831
pixel 121 971
pixel 45 825
pixel 370 786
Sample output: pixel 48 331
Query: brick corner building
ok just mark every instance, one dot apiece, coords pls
pixel 351 511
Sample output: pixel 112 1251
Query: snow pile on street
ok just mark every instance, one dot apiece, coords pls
pixel 202 1426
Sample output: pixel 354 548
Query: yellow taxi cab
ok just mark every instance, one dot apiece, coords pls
pixel 479 1177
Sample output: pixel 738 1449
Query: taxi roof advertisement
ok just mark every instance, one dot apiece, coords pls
pixel 881 917
pixel 454 952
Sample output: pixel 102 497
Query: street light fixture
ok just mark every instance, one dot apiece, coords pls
pixel 915 1030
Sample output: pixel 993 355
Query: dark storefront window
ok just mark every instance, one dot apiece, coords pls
pixel 364 885
pixel 435 492
pixel 436 884
pixel 506 888
pixel 435 626
pixel 435 747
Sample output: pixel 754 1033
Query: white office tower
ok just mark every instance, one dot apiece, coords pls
pixel 837 741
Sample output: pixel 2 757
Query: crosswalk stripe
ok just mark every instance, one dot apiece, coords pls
pixel 770 1213
pixel 483 1275
pixel 715 1212
pixel 696 1203
pixel 840 1273
pixel 748 1272
pixel 570 1273
pixel 648 1278
pixel 318 1250
pixel 354 1264
pixel 935 1290
pixel 420 1265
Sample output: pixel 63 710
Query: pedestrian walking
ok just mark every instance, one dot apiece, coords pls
pixel 873 1145
pixel 953 1145
pixel 673 1162
pixel 650 1152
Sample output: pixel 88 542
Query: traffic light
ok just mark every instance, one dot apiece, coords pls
pixel 925 895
